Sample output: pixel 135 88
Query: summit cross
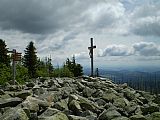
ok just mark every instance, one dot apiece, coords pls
pixel 91 55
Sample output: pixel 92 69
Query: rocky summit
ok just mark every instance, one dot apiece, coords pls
pixel 76 99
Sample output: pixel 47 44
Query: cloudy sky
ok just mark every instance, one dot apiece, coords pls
pixel 126 32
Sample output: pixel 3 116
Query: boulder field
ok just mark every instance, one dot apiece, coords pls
pixel 76 99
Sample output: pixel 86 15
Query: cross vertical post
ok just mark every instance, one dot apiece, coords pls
pixel 15 57
pixel 91 55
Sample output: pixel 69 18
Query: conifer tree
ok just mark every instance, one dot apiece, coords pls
pixel 75 68
pixel 78 71
pixel 30 60
pixel 50 66
pixel 4 58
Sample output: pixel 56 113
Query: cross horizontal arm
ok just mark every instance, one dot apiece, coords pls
pixel 91 47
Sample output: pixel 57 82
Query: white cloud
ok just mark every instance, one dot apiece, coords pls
pixel 115 50
pixel 146 49
pixel 105 14
pixel 81 55
pixel 138 49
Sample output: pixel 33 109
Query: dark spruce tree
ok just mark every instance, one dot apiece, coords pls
pixel 49 66
pixel 78 70
pixel 75 68
pixel 30 60
pixel 4 58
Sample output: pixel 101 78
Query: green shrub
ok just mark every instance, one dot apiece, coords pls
pixel 5 74
pixel 21 74
pixel 42 73
pixel 62 72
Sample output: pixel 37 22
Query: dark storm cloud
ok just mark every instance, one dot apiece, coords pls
pixel 38 16
pixel 49 16
pixel 27 16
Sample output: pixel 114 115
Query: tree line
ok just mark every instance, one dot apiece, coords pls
pixel 32 66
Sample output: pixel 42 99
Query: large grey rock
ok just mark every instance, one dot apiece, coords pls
pixel 35 104
pixel 33 116
pixel 120 102
pixel 147 96
pixel 138 117
pixel 88 105
pixel 123 86
pixel 33 107
pixel 42 90
pixel 131 107
pixel 22 94
pixel 155 116
pixel 72 97
pixel 150 108
pixel 48 112
pixel 2 92
pixel 57 116
pixel 60 81
pixel 98 93
pixel 14 88
pixel 66 91
pixel 61 105
pixel 80 86
pixel 75 107
pixel 157 99
pixel 89 115
pixel 36 90
pixel 54 82
pixel 5 96
pixel 10 102
pixel 142 99
pixel 41 103
pixel 110 106
pixel 14 114
pixel 27 111
pixel 87 92
pixel 108 115
pixel 120 118
pixel 129 94
pixel 109 97
pixel 108 84
pixel 73 117
pixel 30 84
pixel 100 102
pixel 53 88
pixel 51 96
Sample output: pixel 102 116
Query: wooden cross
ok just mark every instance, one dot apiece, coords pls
pixel 91 55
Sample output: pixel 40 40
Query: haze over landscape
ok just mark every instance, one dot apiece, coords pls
pixel 126 32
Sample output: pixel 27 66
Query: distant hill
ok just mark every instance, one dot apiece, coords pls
pixel 141 80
